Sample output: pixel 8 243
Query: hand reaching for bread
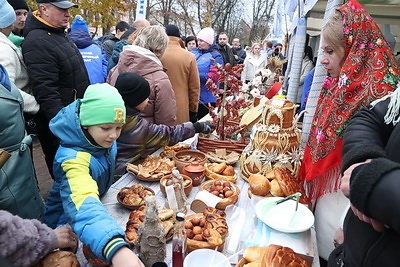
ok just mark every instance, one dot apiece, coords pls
pixel 66 238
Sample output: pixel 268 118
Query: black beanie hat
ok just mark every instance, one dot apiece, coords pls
pixel 18 4
pixel 133 88
pixel 172 30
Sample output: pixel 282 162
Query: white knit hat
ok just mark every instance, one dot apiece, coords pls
pixel 7 14
pixel 207 35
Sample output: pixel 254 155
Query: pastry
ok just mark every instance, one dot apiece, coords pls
pixel 254 254
pixel 134 195
pixel 276 189
pixel 228 171
pixel 259 185
pixel 278 256
pixel 152 168
pixel 206 230
pixel 60 259
pixel 210 174
pixel 218 168
pixel 289 184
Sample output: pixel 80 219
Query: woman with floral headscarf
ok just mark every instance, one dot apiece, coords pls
pixel 361 68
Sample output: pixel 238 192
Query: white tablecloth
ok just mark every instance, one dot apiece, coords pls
pixel 305 242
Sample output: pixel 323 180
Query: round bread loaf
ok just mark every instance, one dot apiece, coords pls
pixel 259 184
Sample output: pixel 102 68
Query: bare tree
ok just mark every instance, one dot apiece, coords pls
pixel 262 10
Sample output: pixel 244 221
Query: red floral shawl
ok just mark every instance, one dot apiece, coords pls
pixel 369 72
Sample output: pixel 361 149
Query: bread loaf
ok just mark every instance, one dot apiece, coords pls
pixel 278 256
pixel 254 254
pixel 60 259
pixel 259 185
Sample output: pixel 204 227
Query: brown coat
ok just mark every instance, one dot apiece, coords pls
pixel 161 108
pixel 184 76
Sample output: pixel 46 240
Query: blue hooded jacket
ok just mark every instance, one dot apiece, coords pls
pixel 83 172
pixel 204 65
pixel 94 56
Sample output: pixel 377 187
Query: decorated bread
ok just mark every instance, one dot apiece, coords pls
pixel 275 142
pixel 137 217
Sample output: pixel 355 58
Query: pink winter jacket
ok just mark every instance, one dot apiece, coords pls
pixel 161 108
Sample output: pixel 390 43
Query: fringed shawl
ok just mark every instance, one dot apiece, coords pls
pixel 369 72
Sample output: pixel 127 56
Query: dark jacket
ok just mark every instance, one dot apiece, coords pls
pixel 374 188
pixel 109 41
pixel 227 54
pixel 240 53
pixel 56 69
pixel 93 55
pixel 113 60
pixel 139 137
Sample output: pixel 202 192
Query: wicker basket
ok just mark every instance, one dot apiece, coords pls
pixel 209 145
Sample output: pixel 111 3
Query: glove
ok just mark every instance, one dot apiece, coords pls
pixel 193 116
pixel 203 127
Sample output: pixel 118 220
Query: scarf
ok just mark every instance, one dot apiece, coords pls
pixel 369 72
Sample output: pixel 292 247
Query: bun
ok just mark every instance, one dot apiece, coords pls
pixel 219 168
pixel 60 258
pixel 290 185
pixel 259 185
pixel 279 256
pixel 254 254
pixel 276 189
pixel 252 264
pixel 229 171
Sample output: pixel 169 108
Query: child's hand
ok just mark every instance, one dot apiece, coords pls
pixel 124 257
pixel 66 238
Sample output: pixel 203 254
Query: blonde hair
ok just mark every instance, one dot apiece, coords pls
pixel 153 38
pixel 332 33
pixel 254 45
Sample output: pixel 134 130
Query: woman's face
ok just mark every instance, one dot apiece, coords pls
pixel 191 45
pixel 256 50
pixel 332 59
pixel 203 45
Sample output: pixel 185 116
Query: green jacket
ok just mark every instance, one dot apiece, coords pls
pixel 19 192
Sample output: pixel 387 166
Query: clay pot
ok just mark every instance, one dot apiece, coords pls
pixel 194 155
pixel 187 188
pixel 195 171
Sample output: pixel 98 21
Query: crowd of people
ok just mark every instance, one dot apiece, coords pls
pixel 96 104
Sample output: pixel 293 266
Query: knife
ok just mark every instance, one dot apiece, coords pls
pixel 271 204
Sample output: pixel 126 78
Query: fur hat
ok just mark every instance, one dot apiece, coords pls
pixel 207 35
pixel 100 104
pixel 18 4
pixel 79 23
pixel 133 88
pixel 7 14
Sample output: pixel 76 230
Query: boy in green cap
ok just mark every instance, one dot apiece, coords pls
pixel 83 171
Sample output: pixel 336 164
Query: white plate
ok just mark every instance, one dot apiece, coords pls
pixel 279 216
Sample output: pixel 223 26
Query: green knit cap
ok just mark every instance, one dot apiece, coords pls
pixel 101 103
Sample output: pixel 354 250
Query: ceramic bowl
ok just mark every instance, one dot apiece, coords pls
pixel 187 188
pixel 190 155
